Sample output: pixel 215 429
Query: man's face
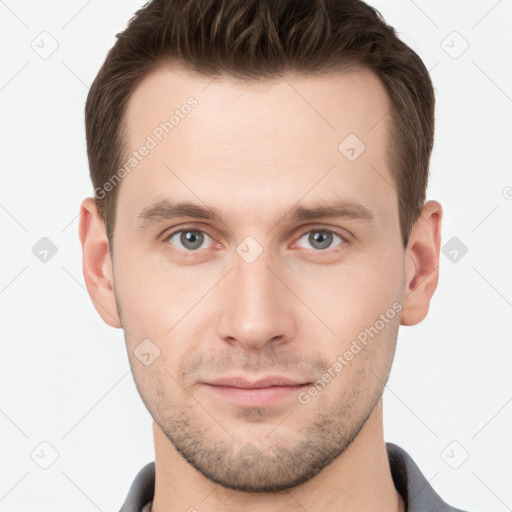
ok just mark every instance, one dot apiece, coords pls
pixel 258 292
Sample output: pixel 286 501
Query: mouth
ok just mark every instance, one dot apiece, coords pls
pixel 239 391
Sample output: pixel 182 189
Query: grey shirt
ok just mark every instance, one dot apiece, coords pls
pixel 417 493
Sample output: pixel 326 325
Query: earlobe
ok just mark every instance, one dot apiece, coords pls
pixel 96 262
pixel 422 264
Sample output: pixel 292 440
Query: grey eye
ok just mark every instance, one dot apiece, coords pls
pixel 190 239
pixel 320 238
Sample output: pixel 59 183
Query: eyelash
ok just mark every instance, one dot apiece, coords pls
pixel 342 235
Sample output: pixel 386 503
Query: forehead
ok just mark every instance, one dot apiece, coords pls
pixel 330 105
pixel 269 142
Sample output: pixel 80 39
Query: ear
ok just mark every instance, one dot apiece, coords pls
pixel 422 263
pixel 96 262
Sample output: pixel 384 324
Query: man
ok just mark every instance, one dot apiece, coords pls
pixel 259 230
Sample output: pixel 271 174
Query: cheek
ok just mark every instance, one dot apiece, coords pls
pixel 153 383
pixel 350 297
pixel 160 305
pixel 151 296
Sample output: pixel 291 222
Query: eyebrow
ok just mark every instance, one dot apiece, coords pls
pixel 167 210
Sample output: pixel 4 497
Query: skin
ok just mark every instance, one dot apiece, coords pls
pixel 253 152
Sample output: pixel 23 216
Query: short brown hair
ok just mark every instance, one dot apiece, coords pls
pixel 254 40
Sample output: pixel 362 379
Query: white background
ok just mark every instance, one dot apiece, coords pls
pixel 64 374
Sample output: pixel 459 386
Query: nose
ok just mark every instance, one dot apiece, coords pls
pixel 258 307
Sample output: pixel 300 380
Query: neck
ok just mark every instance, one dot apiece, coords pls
pixel 359 479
